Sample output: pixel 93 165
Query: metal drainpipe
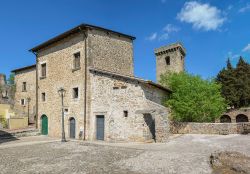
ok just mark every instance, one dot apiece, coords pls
pixel 85 82
pixel 36 89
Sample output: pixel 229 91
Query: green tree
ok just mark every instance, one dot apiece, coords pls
pixel 235 83
pixel 242 74
pixel 227 78
pixel 193 99
pixel 11 79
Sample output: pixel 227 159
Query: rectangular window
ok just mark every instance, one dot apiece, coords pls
pixel 167 59
pixel 77 61
pixel 125 113
pixel 43 97
pixel 24 87
pixel 22 102
pixel 43 70
pixel 75 93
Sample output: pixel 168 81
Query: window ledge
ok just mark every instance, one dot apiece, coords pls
pixel 76 69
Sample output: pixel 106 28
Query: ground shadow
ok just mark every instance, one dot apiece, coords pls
pixel 6 137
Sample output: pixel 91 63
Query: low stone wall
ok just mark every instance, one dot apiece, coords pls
pixel 18 122
pixel 210 128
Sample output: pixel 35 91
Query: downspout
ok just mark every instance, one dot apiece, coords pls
pixel 36 89
pixel 85 83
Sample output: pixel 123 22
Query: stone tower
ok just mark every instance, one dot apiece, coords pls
pixel 170 58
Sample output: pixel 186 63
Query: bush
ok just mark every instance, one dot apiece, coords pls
pixel 193 99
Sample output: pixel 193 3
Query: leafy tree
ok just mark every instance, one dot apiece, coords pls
pixel 193 99
pixel 11 79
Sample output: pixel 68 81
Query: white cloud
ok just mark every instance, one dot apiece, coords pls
pixel 244 9
pixel 164 34
pixel 167 30
pixel 202 16
pixel 232 56
pixel 152 37
pixel 247 48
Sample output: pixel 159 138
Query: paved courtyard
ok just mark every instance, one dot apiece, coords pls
pixel 184 154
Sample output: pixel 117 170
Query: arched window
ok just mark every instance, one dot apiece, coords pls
pixel 167 59
pixel 225 119
pixel 241 118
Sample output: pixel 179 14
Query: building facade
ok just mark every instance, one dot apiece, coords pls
pixel 102 100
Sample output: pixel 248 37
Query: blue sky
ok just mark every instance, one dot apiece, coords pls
pixel 211 30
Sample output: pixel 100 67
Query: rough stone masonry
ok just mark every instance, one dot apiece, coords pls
pixel 103 99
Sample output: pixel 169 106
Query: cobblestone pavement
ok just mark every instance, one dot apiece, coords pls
pixel 185 154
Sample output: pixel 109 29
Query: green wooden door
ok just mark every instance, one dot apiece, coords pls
pixel 44 125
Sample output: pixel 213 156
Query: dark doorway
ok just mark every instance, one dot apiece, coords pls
pixel 44 125
pixel 225 119
pixel 100 127
pixel 241 118
pixel 150 121
pixel 72 128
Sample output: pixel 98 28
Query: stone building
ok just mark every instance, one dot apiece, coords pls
pixel 25 92
pixel 170 58
pixel 102 100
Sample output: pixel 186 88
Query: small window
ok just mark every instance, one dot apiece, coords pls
pixel 77 61
pixel 123 87
pixel 66 110
pixel 43 70
pixel 43 97
pixel 24 87
pixel 125 113
pixel 75 93
pixel 22 102
pixel 115 87
pixel 167 59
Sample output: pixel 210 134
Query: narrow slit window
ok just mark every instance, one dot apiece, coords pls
pixel 24 88
pixel 125 114
pixel 77 60
pixel 43 70
pixel 167 59
pixel 22 102
pixel 75 93
pixel 43 97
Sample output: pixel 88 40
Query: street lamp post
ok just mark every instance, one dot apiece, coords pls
pixel 62 92
pixel 28 100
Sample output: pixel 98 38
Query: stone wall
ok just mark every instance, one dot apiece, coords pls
pixel 60 73
pixel 110 52
pixel 210 128
pixel 28 76
pixel 112 95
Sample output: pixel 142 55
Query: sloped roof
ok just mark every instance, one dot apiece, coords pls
pixel 76 30
pixel 149 82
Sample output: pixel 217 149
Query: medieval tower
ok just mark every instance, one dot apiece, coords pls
pixel 170 58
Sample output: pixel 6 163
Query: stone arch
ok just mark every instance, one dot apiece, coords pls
pixel 241 118
pixel 72 127
pixel 225 119
pixel 44 124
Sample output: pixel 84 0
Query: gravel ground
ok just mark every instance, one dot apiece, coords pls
pixel 183 154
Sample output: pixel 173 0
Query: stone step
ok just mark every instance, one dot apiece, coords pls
pixel 16 134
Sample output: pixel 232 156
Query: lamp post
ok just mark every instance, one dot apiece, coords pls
pixel 28 100
pixel 62 92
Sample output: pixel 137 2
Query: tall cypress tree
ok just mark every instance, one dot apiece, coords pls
pixel 236 83
pixel 227 79
pixel 243 82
